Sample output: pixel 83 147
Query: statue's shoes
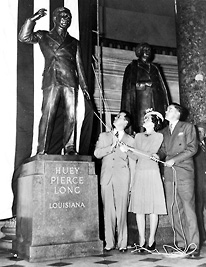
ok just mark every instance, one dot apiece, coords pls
pixel 71 151
pixel 41 153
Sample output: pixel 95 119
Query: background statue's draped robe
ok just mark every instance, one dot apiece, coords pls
pixel 136 99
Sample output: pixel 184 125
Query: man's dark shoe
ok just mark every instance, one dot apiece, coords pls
pixel 153 246
pixel 193 252
pixel 181 248
pixel 122 250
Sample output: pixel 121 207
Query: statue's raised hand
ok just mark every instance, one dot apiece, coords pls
pixel 39 14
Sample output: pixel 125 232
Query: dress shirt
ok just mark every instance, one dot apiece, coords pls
pixel 202 144
pixel 172 126
pixel 119 135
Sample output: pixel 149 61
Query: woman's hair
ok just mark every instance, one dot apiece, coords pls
pixel 157 122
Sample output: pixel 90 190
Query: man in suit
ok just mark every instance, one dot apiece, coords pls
pixel 200 180
pixel 179 146
pixel 63 73
pixel 115 179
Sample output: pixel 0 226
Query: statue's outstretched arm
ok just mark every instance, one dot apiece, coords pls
pixel 26 34
pixel 39 14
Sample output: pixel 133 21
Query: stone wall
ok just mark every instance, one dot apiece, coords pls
pixel 138 27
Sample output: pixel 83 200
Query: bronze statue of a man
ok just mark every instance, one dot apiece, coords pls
pixel 63 73
pixel 143 87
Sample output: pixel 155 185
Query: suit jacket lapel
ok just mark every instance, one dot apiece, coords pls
pixel 177 127
pixel 67 41
pixel 53 34
pixel 110 137
pixel 173 136
pixel 124 138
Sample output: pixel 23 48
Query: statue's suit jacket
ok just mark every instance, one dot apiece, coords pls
pixel 63 64
pixel 116 172
pixel 63 69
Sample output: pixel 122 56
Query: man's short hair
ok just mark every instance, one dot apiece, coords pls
pixel 127 117
pixel 59 10
pixel 182 110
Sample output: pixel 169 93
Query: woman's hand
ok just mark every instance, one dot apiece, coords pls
pixel 155 157
pixel 124 148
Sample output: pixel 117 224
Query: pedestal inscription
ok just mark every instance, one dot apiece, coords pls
pixel 57 214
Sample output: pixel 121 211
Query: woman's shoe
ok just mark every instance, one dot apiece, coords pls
pixel 152 247
pixel 108 248
pixel 139 248
pixel 142 248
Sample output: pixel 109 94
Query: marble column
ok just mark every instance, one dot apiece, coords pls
pixel 191 52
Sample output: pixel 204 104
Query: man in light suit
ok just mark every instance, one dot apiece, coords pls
pixel 116 172
pixel 200 180
pixel 179 146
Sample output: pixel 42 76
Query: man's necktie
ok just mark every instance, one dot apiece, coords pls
pixel 117 134
pixel 171 128
pixel 202 146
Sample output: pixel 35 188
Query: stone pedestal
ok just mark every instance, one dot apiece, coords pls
pixel 8 233
pixel 57 209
